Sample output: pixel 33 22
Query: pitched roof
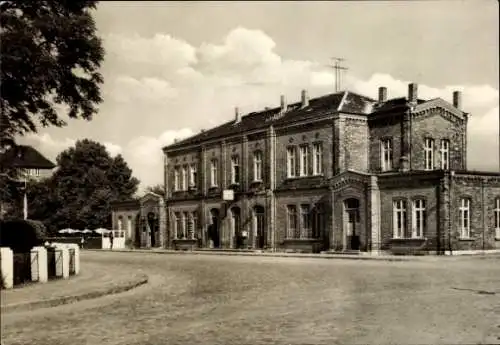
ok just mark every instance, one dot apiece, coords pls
pixel 342 101
pixel 24 156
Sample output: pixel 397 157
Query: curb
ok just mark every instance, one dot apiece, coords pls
pixel 280 255
pixel 72 299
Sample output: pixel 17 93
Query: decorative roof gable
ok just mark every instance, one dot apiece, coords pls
pixel 25 157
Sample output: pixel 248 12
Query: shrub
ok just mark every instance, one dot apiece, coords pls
pixel 21 235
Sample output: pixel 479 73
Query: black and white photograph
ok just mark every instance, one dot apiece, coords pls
pixel 249 172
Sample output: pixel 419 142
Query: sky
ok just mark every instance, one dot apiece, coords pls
pixel 174 68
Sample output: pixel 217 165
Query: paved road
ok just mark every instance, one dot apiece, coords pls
pixel 256 300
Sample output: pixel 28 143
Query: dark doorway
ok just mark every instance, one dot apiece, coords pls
pixel 214 228
pixel 259 225
pixel 153 227
pixel 352 224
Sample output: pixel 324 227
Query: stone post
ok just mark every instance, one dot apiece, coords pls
pixel 62 262
pixel 7 267
pixel 39 271
pixel 333 223
pixel 272 185
pixel 374 201
pixel 444 203
pixel 76 256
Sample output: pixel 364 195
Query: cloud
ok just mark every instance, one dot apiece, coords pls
pixel 145 156
pixel 162 82
pixel 51 147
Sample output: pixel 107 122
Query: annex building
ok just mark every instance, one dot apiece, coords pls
pixel 341 172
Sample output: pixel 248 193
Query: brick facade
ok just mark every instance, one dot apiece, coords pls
pixel 338 197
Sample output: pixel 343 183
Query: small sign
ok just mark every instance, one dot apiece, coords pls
pixel 228 195
pixel 244 234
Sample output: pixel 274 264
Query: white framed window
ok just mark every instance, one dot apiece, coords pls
pixel 429 154
pixel 305 221
pixel 399 219
pixel 464 214
pixel 303 162
pixel 419 218
pixel 291 162
pixel 386 154
pixel 192 175
pixel 184 178
pixel 257 166
pixel 214 173
pixel 318 158
pixel 496 217
pixel 292 228
pixel 235 170
pixel 445 154
pixel 177 179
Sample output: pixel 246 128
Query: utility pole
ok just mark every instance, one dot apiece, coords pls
pixel 338 72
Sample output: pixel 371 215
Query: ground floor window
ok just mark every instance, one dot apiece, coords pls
pixel 318 223
pixel 464 214
pixel 305 221
pixel 496 213
pixel 179 226
pixel 419 218
pixel 293 230
pixel 399 218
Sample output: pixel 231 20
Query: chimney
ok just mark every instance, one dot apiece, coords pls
pixel 304 98
pixel 412 93
pixel 382 94
pixel 457 99
pixel 283 103
pixel 237 116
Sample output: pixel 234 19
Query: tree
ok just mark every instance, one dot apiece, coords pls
pixel 51 56
pixel 79 193
pixel 157 189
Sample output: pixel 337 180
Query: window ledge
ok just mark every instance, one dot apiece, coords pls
pixel 497 238
pixel 466 239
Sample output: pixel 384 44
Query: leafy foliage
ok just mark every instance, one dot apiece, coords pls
pixel 80 192
pixel 51 56
pixel 21 235
pixel 157 189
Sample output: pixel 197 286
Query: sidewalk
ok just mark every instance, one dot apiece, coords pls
pixel 93 281
pixel 360 256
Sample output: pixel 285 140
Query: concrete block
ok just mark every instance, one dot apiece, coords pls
pixel 62 262
pixel 39 270
pixel 7 265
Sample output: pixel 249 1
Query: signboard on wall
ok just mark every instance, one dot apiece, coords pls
pixel 228 195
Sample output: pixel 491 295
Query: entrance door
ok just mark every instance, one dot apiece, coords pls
pixel 351 226
pixel 214 228
pixel 259 227
pixel 153 228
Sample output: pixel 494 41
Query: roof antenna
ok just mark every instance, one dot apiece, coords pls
pixel 338 71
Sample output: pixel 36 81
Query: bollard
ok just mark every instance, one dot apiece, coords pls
pixel 62 262
pixel 39 270
pixel 76 259
pixel 7 267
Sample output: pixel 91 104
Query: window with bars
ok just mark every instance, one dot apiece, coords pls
pixel 419 218
pixel 293 230
pixel 194 221
pixel 257 166
pixel 399 218
pixel 445 154
pixel 317 159
pixel 305 221
pixel 291 161
pixel 386 154
pixel 188 225
pixel 464 214
pixel 235 170
pixel 429 154
pixel 304 160
pixel 214 173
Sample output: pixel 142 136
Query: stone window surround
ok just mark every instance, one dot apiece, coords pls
pixel 429 151
pixel 317 147
pixel 423 219
pixel 410 217
pixel 257 166
pixel 444 151
pixel 383 141
pixel 404 214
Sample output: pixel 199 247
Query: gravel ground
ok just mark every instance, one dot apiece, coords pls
pixel 206 299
